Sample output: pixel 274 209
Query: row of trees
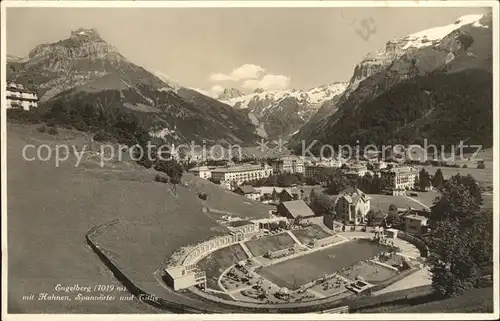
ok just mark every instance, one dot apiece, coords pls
pixel 461 237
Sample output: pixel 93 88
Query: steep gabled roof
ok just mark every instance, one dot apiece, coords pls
pixel 247 189
pixel 298 208
pixel 353 195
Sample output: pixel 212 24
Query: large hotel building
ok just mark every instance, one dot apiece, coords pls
pixel 288 164
pixel 234 174
pixel 400 178
pixel 20 98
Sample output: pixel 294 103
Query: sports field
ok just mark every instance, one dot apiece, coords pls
pixel 270 244
pixel 217 262
pixel 309 234
pixel 296 272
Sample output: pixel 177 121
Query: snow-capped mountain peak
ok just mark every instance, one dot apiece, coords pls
pixel 229 93
pixel 284 111
pixel 314 96
pixel 426 37
pixel 397 48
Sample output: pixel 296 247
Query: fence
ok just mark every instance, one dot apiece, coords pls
pixel 419 244
pixel 325 241
pixel 206 247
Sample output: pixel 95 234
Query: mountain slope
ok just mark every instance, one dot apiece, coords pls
pixel 410 90
pixel 86 69
pixel 283 112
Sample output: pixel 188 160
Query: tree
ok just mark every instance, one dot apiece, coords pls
pixel 481 165
pixel 393 219
pixel 374 218
pixel 312 197
pixel 370 217
pixel 452 263
pixel 461 238
pixel 298 220
pixel 469 182
pixel 393 208
pixel 438 179
pixel 461 199
pixel 424 180
pixel 282 224
pixel 215 181
pixel 321 204
pixel 172 168
pixel 364 183
pixel 376 185
pixel 337 184
pixel 274 195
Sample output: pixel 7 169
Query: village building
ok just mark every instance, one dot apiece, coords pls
pixel 288 164
pixel 248 191
pixel 294 209
pixel 416 224
pixel 313 170
pixel 400 179
pixel 332 224
pixel 182 277
pixel 18 97
pixel 292 194
pixel 352 205
pixel 355 170
pixel 204 172
pixel 241 173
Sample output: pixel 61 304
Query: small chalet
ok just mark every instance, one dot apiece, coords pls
pixel 294 209
pixel 248 191
pixel 292 194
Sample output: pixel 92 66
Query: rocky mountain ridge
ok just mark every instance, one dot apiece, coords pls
pixel 465 44
pixel 393 95
pixel 283 112
pixel 85 69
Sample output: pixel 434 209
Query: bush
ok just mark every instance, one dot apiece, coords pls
pixel 161 178
pixel 102 136
pixel 42 129
pixel 52 131
pixel 22 116
pixel 81 127
pixel 465 166
pixel 481 165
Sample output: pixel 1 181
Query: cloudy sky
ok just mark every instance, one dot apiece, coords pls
pixel 215 48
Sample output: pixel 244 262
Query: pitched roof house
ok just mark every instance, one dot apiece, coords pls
pixel 294 209
pixel 352 205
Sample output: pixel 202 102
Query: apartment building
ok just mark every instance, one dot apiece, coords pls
pixel 18 97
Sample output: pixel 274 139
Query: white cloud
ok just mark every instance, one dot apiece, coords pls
pixel 220 77
pixel 246 71
pixel 216 90
pixel 268 82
